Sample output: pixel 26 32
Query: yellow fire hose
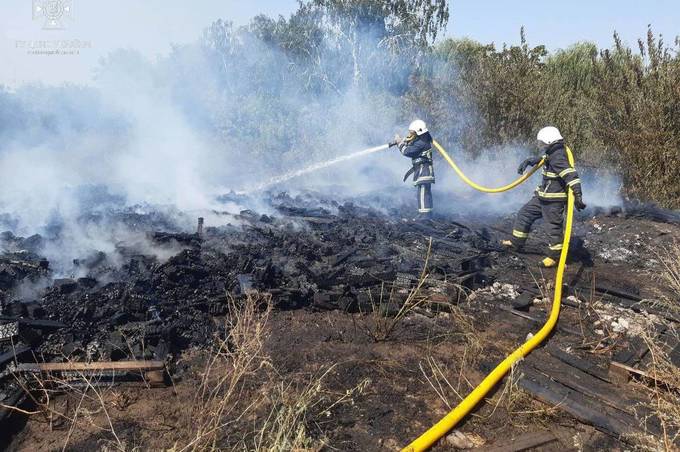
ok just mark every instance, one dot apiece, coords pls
pixel 449 421
pixel 479 187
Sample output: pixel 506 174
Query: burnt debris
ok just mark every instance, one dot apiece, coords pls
pixel 310 254
pixel 148 302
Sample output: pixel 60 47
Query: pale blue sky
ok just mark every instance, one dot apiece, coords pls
pixel 152 25
pixel 560 23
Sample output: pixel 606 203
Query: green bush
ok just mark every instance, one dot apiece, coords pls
pixel 617 108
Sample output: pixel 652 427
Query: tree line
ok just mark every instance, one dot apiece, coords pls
pixel 618 107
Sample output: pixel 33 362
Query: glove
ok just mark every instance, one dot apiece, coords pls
pixel 531 161
pixel 578 203
pixel 397 141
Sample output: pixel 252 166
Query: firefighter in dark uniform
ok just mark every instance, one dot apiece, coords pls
pixel 550 197
pixel 418 147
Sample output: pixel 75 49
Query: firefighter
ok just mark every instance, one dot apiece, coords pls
pixel 550 197
pixel 418 147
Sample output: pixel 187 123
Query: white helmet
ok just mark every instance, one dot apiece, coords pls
pixel 549 135
pixel 418 126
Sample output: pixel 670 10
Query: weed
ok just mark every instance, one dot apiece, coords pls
pixel 383 322
pixel 663 389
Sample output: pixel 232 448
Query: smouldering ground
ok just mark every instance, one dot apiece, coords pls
pixel 332 380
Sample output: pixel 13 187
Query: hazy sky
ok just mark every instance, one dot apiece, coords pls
pixel 99 26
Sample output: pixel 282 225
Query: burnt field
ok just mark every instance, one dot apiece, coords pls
pixel 326 325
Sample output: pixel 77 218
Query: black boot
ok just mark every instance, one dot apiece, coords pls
pixel 422 216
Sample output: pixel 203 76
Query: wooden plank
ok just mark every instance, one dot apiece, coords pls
pixel 40 323
pixel 14 353
pixel 622 373
pixel 580 406
pixel 578 363
pixel 631 355
pixel 636 348
pixel 435 235
pixel 663 313
pixel 584 383
pixel 315 220
pixel 35 323
pixel 84 367
pixel 537 320
pixel 619 373
pixel 617 293
pixel 524 442
pixel 342 257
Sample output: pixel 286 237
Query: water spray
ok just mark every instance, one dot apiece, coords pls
pixel 311 168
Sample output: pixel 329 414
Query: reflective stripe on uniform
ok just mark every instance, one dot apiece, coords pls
pixel 567 171
pixel 427 179
pixel 520 234
pixel 550 174
pixel 542 194
pixel 574 182
pixel 557 247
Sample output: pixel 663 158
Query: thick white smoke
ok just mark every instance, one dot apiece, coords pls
pixel 173 134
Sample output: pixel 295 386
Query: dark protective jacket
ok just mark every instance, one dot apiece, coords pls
pixel 558 174
pixel 419 150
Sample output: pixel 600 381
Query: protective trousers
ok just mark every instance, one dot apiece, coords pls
pixel 552 213
pixel 424 198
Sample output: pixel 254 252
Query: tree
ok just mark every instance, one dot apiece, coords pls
pixel 370 27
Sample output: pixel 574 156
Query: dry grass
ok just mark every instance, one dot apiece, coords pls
pixel 285 428
pixel 510 402
pixel 389 307
pixel 672 267
pixel 87 405
pixel 241 392
pixel 236 360
pixel 450 383
pixel 465 329
pixel 669 256
pixel 383 323
pixel 240 401
pixel 663 390
pixel 435 375
pixel 244 403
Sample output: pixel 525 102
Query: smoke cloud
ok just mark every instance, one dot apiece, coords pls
pixel 225 114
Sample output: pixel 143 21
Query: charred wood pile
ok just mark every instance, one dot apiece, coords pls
pixel 142 311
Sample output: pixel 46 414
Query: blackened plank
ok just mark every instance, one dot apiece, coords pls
pixel 579 363
pixel 586 409
pixel 524 442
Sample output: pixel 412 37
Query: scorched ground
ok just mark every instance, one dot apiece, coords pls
pixel 325 325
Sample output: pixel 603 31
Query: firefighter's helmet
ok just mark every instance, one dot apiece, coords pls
pixel 418 126
pixel 549 135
